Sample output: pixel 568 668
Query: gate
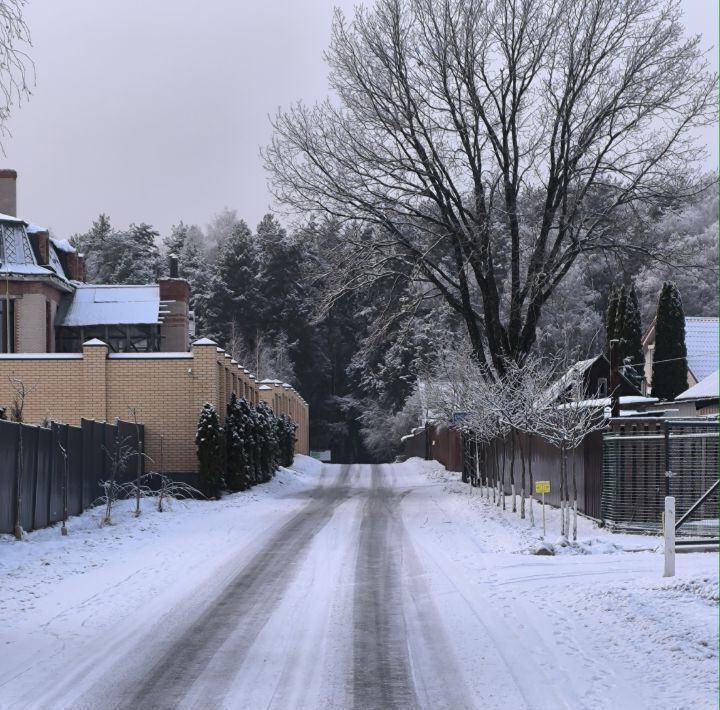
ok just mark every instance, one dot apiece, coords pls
pixel 646 460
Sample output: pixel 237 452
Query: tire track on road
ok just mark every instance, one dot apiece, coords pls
pixel 382 672
pixel 211 650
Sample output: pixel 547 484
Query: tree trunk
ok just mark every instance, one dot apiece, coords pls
pixel 574 482
pixel 523 492
pixel 512 470
pixel 530 479
pixel 501 485
pixel 562 489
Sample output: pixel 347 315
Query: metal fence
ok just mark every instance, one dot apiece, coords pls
pixel 646 460
pixel 40 471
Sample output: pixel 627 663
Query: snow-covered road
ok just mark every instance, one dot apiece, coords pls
pixel 348 587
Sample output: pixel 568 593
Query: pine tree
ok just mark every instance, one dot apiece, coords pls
pixel 631 337
pixel 669 372
pixel 209 440
pixel 232 292
pixel 94 243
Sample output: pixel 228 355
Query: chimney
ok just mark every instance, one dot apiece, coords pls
pixel 174 272
pixel 40 242
pixel 8 192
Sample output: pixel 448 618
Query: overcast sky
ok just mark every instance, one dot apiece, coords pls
pixel 155 110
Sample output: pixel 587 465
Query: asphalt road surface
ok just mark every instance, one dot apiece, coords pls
pixel 331 610
pixel 355 588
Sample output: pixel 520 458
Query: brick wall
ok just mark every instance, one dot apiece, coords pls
pixel 166 391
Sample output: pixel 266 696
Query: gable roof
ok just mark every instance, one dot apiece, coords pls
pixel 706 388
pixel 581 370
pixel 701 341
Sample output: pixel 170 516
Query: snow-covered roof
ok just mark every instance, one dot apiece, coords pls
pixel 701 341
pixel 559 387
pixel 10 218
pixel 110 305
pixel 705 388
pixel 63 245
pixel 606 401
pixel 34 228
pixel 204 341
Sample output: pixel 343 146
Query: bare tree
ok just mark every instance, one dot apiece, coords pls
pixel 491 142
pixel 119 458
pixel 566 425
pixel 17 71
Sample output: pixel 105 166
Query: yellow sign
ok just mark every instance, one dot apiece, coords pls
pixel 542 486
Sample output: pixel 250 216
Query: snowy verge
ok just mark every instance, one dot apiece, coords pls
pixel 44 558
pixel 513 534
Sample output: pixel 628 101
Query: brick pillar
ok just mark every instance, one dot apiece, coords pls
pixel 205 374
pixel 94 380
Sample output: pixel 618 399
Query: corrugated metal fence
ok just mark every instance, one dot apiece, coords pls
pixel 89 449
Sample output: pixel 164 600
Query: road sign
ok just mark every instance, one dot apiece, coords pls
pixel 542 486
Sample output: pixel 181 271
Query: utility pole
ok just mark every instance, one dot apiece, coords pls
pixel 614 378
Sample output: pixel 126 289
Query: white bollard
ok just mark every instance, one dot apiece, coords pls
pixel 669 524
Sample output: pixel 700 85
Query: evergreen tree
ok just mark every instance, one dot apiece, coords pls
pixel 286 429
pixel 175 243
pixel 269 445
pixel 232 293
pixel 669 372
pixel 235 478
pixel 94 244
pixel 138 261
pixel 210 452
pixel 247 430
pixel 631 338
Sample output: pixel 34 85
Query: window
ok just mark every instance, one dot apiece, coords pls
pixel 7 320
pixel 602 387
pixel 48 327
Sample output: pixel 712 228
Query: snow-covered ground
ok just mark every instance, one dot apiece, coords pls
pixel 338 587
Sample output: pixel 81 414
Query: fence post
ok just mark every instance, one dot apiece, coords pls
pixel 668 459
pixel 669 524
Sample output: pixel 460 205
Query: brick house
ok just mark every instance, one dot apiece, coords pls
pixel 112 351
pixel 46 307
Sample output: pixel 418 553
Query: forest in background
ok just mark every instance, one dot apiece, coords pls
pixel 262 295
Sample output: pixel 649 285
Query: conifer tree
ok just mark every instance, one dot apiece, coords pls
pixel 247 431
pixel 269 449
pixel 94 244
pixel 232 292
pixel 631 338
pixel 235 478
pixel 210 452
pixel 669 372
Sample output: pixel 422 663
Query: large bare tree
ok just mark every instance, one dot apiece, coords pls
pixel 488 143
pixel 17 71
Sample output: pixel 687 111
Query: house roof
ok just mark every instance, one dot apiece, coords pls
pixel 701 341
pixel 110 305
pixel 706 388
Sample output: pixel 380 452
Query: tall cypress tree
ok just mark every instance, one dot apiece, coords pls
pixel 631 338
pixel 669 373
